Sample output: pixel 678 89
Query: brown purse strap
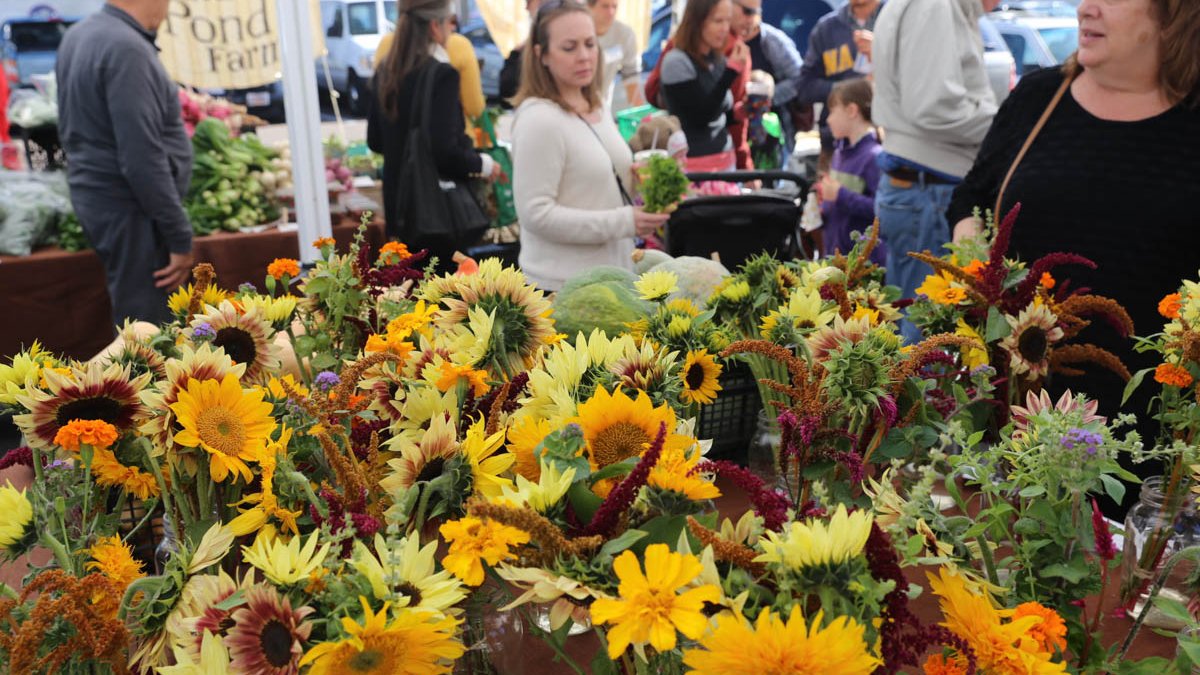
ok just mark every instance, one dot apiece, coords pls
pixel 1037 128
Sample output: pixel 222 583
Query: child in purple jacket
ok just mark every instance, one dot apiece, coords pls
pixel 847 192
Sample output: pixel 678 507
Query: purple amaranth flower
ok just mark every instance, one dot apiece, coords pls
pixel 203 331
pixel 622 497
pixel 772 506
pixel 326 380
pixel 853 463
pixel 888 410
pixel 1105 548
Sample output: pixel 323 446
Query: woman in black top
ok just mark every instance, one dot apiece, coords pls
pixel 696 80
pixel 1115 173
pixel 421 33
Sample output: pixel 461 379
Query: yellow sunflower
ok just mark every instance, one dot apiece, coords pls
pixel 194 363
pixel 1034 332
pixel 617 427
pixel 650 608
pixel 405 573
pixel 24 368
pixel 656 285
pixel 977 355
pixel 285 563
pixel 110 472
pixel 114 559
pixel 700 376
pixel 414 643
pixel 16 517
pixel 676 472
pixel 232 425
pixel 247 338
pixel 278 310
pixel 178 302
pixel 422 460
pixel 264 504
pixel 773 646
pixel 88 392
pixel 480 450
pixel 524 436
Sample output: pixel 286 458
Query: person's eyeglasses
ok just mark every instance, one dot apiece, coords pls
pixel 749 11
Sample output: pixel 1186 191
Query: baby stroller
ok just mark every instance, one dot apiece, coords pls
pixel 738 227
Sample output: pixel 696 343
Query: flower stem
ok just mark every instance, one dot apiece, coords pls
pixel 1189 552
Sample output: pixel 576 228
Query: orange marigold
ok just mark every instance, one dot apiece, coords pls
pixel 1051 632
pixel 1047 281
pixel 975 268
pixel 323 242
pixel 940 665
pixel 1169 305
pixel 1172 375
pixel 281 267
pixel 96 433
pixel 395 247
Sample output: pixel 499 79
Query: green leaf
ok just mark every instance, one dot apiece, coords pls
pixel 661 530
pixel 584 501
pixel 238 598
pixel 1191 648
pixel 1155 665
pixel 974 439
pixel 621 468
pixel 1032 491
pixel 1113 487
pixel 1134 383
pixel 1072 574
pixel 602 665
pixel 1173 609
pixel 997 326
pixel 615 546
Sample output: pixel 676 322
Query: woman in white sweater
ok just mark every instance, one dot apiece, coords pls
pixel 570 164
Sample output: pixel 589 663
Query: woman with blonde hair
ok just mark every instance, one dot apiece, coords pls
pixel 571 168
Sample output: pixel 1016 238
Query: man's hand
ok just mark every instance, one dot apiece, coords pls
pixel 967 228
pixel 177 271
pixel 863 40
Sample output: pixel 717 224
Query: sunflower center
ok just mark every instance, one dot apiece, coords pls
pixel 1033 344
pixel 221 430
pixel 92 408
pixel 411 591
pixel 695 377
pixel 237 343
pixel 618 442
pixel 366 661
pixel 432 469
pixel 805 324
pixel 276 642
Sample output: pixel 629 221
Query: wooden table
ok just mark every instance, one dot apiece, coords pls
pixel 60 298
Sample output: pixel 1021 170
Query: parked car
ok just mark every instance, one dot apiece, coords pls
pixel 491 62
pixel 30 47
pixel 1067 8
pixel 265 101
pixel 1001 68
pixel 353 30
pixel 1037 41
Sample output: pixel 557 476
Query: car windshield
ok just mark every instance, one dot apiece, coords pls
pixel 37 36
pixel 363 18
pixel 1062 41
pixel 992 41
pixel 390 12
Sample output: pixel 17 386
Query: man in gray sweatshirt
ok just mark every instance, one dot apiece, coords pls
pixel 934 103
pixel 129 158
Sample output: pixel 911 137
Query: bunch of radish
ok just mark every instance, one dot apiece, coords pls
pixel 336 173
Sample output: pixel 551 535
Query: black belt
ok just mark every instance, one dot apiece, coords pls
pixel 913 176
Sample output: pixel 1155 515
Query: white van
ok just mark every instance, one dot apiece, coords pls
pixel 353 30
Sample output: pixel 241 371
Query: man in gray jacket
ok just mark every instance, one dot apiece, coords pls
pixel 129 158
pixel 934 103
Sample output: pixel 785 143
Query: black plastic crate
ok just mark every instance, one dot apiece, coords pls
pixel 43 152
pixel 731 419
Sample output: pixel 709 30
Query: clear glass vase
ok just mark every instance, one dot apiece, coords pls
pixel 168 546
pixel 762 457
pixel 1156 528
pixel 581 618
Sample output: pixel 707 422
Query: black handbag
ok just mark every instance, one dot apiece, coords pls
pixel 435 213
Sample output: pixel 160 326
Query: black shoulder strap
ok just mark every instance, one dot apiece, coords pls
pixel 419 107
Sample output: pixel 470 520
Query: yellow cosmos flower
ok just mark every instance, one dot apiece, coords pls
pixel 474 542
pixel 417 320
pixel 942 289
pixel 114 559
pixel 389 343
pixel 16 515
pixel 773 646
pixel 230 424
pixel 701 378
pixel 650 608
pixel 656 285
pixel 285 563
pixel 414 643
pixel 816 542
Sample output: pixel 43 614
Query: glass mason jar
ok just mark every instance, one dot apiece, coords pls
pixel 168 546
pixel 1155 529
pixel 762 457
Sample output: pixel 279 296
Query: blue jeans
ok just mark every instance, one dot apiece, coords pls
pixel 911 219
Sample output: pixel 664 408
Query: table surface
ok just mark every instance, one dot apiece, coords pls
pixel 60 298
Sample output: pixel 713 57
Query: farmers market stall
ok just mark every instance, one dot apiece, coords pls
pixel 59 297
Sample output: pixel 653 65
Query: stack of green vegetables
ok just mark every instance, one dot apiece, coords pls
pixel 663 184
pixel 226 191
